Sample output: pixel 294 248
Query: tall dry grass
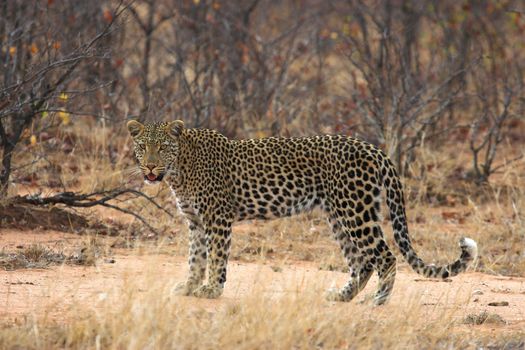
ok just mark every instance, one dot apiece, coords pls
pixel 135 317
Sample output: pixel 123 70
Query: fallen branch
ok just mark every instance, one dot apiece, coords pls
pixel 79 200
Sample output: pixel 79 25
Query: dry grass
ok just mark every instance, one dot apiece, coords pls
pixel 134 318
pixel 484 317
pixel 39 256
pixel 34 256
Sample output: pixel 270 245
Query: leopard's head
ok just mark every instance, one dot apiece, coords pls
pixel 156 147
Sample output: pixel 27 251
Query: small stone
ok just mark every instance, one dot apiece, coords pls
pixel 499 303
pixel 477 292
pixel 276 268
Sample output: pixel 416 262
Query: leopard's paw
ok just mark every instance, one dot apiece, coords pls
pixel 367 298
pixel 334 294
pixel 208 291
pixel 185 288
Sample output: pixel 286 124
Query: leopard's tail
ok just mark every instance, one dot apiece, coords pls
pixel 396 204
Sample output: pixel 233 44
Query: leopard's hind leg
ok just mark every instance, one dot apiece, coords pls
pixel 385 264
pixel 360 268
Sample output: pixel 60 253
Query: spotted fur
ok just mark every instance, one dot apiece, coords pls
pixel 218 181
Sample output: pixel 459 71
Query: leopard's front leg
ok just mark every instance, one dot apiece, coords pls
pixel 197 254
pixel 218 234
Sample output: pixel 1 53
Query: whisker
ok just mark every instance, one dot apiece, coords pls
pixel 132 171
pixel 128 169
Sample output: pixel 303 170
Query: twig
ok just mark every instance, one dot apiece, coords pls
pixel 72 199
pixel 515 159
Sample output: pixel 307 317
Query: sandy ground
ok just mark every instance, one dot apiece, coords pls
pixel 55 290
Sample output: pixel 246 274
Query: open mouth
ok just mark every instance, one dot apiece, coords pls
pixel 153 178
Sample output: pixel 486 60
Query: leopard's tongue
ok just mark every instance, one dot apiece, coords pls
pixel 151 177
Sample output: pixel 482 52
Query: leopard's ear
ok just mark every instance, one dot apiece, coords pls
pixel 135 128
pixel 174 129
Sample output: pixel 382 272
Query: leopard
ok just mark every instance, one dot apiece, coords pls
pixel 218 181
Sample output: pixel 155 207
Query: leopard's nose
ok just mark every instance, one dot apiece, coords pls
pixel 150 166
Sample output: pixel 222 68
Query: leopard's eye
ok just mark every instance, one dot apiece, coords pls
pixel 142 146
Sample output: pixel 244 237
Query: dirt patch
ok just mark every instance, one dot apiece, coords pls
pixel 269 297
pixel 27 217
pixel 56 290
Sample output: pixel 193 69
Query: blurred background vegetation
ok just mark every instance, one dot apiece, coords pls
pixel 400 74
pixel 438 84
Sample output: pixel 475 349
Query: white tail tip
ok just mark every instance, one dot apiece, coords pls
pixel 470 246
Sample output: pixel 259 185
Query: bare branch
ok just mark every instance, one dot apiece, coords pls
pixel 102 198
